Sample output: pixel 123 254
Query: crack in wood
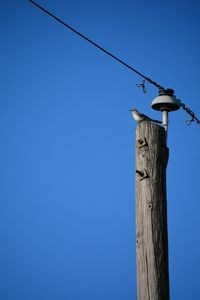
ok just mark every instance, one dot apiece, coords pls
pixel 148 288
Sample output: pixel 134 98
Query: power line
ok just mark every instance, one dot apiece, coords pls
pixel 97 46
pixel 142 85
pixel 191 113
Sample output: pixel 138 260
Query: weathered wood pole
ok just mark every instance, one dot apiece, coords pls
pixel 151 212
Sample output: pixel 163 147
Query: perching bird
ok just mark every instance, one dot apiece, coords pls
pixel 138 116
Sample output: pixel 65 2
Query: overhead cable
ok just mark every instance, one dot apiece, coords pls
pixel 142 84
pixel 97 46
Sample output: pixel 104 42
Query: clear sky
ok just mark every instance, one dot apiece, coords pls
pixel 67 153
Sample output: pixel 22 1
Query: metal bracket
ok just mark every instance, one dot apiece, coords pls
pixel 142 142
pixel 143 174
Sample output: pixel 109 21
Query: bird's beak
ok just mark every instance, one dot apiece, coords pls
pixel 131 109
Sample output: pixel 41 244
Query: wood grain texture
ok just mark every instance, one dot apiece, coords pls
pixel 151 213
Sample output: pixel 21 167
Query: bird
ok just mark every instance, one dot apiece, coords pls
pixel 139 117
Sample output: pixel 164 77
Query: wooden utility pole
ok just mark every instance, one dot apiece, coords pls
pixel 151 212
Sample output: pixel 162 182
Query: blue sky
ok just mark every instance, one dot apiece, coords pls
pixel 67 214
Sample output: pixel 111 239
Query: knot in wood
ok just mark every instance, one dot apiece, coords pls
pixel 143 174
pixel 150 205
pixel 142 142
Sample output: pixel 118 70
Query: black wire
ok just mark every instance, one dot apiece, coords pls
pixel 96 45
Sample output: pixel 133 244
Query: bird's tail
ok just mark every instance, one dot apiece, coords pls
pixel 156 121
